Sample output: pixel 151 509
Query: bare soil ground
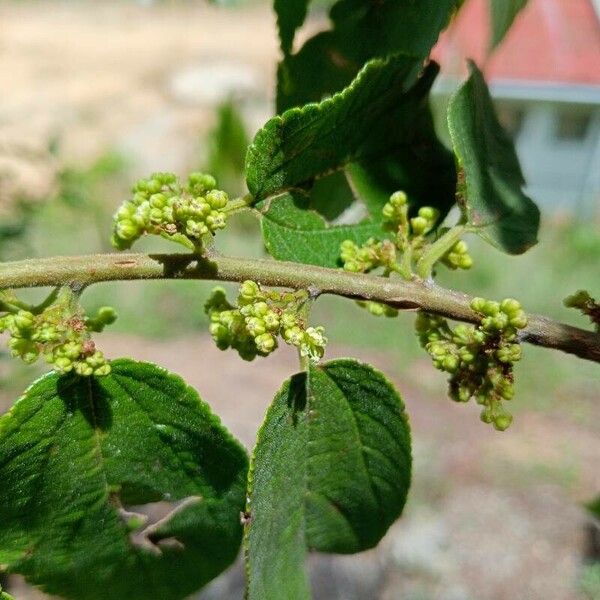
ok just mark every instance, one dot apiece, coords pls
pixel 491 516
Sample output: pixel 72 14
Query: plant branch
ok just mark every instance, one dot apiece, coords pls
pixel 405 295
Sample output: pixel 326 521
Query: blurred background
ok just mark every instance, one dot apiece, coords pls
pixel 97 94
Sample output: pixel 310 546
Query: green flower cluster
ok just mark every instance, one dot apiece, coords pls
pixel 583 301
pixel 458 256
pixel 395 218
pixel 161 205
pixel 410 234
pixel 253 325
pixel 60 336
pixel 479 358
pixel 407 245
pixel 368 257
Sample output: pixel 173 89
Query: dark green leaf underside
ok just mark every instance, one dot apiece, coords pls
pixel 417 163
pixel 331 471
pixel 502 15
pixel 80 456
pixel 295 233
pixel 290 16
pixel 495 202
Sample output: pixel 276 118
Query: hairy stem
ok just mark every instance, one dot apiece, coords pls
pixel 406 295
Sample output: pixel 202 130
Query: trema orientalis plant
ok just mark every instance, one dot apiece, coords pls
pixel 91 443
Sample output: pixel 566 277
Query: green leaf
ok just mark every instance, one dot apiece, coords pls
pixel 412 158
pixel 495 203
pixel 331 195
pixel 330 472
pixel 361 30
pixel 79 459
pixel 290 15
pixel 228 143
pixel 594 508
pixel 302 144
pixel 503 14
pixel 418 163
pixel 4 595
pixel 293 232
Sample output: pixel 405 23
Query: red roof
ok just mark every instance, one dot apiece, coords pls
pixel 551 41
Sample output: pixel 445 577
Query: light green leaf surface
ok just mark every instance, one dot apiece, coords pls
pixel 495 203
pixel 293 232
pixel 330 472
pixel 502 15
pixel 124 487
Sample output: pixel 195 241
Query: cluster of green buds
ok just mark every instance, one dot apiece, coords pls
pixel 253 325
pixel 59 333
pixel 161 205
pixel 409 242
pixel 410 234
pixel 368 257
pixel 479 358
pixel 408 231
pixel 458 256
pixel 583 301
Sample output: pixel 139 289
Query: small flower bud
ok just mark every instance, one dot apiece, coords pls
pixel 478 305
pixel 288 320
pixel 419 225
pixel 465 262
pixel 293 336
pixel 265 343
pixel 217 199
pixel 260 309
pixel 510 306
pixel 107 315
pixel 271 321
pixel 82 368
pixel 201 182
pixel 388 211
pixel 102 370
pixel 430 214
pixel 24 320
pixel 502 422
pixel 63 364
pixel 519 321
pixel 255 326
pixel 398 199
pixel 450 364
